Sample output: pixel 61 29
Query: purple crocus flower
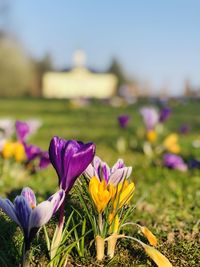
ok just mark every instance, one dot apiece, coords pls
pixel 194 164
pixel 22 130
pixel 150 117
pixel 123 120
pixel 184 129
pixel 164 114
pixel 70 158
pixel 174 162
pixel 28 215
pixel 113 175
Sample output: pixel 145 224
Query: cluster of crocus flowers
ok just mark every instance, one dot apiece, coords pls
pixel 111 191
pixel 21 151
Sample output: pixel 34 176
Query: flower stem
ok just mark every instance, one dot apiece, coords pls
pixel 58 233
pixel 61 218
pixel 100 223
pixel 99 241
pixel 26 253
pixel 112 244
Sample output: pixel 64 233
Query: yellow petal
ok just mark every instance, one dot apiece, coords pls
pixel 99 193
pixel 156 256
pixel 171 143
pixel 151 136
pixel 8 150
pixel 126 194
pixel 149 235
pixel 19 152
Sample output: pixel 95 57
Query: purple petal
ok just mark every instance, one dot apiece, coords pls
pixel 22 130
pixel 57 199
pixel 32 151
pixel 104 171
pixel 150 117
pixel 164 114
pixel 59 154
pixel 7 206
pixel 96 162
pixel 41 214
pixel 44 160
pixel 23 211
pixel 123 120
pixel 78 162
pixel 29 196
pixel 118 165
pixel 174 162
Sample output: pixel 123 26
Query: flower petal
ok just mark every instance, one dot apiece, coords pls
pixel 118 165
pixel 57 199
pixel 7 206
pixel 23 211
pixel 22 130
pixel 29 196
pixel 41 214
pixel 104 172
pixel 119 175
pixel 44 160
pixel 149 235
pixel 156 256
pixel 78 162
pixel 90 171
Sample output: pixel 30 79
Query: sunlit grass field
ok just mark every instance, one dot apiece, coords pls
pixel 168 201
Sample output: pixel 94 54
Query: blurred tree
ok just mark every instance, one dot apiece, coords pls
pixel 15 67
pixel 39 68
pixel 116 68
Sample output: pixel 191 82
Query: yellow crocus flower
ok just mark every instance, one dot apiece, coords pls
pixel 151 136
pixel 171 143
pixel 99 193
pixel 8 150
pixel 19 152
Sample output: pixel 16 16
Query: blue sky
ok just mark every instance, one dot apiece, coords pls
pixel 156 41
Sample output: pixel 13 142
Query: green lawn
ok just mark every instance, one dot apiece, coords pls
pixel 168 200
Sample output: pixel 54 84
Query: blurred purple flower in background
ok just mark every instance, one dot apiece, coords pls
pixel 44 160
pixel 174 162
pixel 150 117
pixel 184 129
pixel 123 120
pixel 26 128
pixel 34 152
pixel 165 113
pixel 28 215
pixel 194 164
pixel 70 158
pixel 22 130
